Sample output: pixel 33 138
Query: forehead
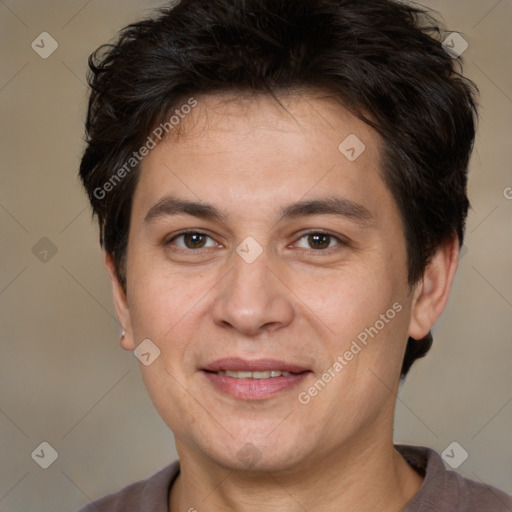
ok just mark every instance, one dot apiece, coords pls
pixel 289 115
pixel 251 150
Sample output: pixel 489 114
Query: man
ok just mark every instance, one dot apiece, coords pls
pixel 281 193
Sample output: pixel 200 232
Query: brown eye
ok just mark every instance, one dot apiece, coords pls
pixel 319 241
pixel 192 240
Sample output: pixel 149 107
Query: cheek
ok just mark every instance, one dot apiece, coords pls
pixel 161 301
pixel 349 300
pixel 364 368
pixel 366 311
pixel 168 393
pixel 164 309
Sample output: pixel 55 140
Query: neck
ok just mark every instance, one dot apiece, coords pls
pixel 351 478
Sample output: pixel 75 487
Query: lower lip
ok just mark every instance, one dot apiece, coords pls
pixel 254 389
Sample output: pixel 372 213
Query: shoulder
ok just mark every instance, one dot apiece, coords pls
pixel 150 494
pixel 446 491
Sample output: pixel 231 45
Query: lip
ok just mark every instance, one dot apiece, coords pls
pixel 253 389
pixel 255 365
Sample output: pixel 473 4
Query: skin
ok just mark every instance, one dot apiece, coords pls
pixel 300 301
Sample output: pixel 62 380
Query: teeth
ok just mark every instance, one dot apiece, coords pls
pixel 254 375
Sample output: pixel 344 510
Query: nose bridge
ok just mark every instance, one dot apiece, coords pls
pixel 250 279
pixel 250 288
pixel 252 297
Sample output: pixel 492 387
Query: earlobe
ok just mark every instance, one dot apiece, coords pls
pixel 121 305
pixel 432 291
pixel 126 341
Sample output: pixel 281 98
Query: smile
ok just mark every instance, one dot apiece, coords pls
pixel 254 375
pixel 257 379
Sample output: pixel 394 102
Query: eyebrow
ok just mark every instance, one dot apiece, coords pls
pixel 338 206
pixel 174 206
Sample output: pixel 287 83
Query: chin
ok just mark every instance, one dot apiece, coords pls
pixel 250 455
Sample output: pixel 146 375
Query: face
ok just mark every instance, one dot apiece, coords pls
pixel 268 265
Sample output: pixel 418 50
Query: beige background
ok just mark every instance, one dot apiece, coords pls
pixel 63 378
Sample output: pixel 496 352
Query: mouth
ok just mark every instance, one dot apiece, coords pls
pixel 270 374
pixel 253 379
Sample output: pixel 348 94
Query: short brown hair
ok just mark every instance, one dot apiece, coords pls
pixel 381 58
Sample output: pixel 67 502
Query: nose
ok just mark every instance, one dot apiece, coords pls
pixel 253 298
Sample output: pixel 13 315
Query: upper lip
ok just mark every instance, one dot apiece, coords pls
pixel 235 364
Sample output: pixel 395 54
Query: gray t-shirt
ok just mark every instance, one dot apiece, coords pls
pixel 441 491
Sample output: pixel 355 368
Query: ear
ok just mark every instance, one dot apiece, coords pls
pixel 120 304
pixel 431 292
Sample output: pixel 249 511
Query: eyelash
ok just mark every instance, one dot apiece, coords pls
pixel 340 242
